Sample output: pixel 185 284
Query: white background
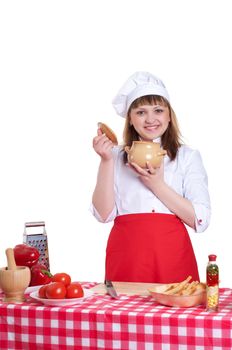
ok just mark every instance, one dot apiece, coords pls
pixel 61 63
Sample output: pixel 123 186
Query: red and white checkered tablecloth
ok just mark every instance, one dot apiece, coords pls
pixel 130 323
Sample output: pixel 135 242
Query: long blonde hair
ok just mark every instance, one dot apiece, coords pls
pixel 170 140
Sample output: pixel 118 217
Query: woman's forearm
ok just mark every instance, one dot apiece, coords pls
pixel 180 206
pixel 103 196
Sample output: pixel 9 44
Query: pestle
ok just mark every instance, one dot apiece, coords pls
pixel 11 265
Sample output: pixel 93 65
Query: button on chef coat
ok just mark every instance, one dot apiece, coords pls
pixel 186 175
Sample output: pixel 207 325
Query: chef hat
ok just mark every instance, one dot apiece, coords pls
pixel 139 84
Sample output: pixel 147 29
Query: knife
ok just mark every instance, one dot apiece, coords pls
pixel 110 289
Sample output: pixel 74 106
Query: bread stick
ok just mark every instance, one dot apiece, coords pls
pixel 190 288
pixel 179 286
pixel 170 287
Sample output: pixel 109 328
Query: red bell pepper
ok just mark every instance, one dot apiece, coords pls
pixel 25 255
pixel 40 275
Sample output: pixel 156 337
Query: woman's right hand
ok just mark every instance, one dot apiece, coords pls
pixel 103 146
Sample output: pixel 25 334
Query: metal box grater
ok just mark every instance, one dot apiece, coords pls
pixel 38 240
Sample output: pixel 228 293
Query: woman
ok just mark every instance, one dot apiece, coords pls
pixel 150 207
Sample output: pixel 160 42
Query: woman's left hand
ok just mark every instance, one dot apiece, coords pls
pixel 150 177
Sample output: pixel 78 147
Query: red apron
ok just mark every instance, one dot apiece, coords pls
pixel 150 247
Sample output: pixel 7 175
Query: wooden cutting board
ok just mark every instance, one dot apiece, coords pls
pixel 128 288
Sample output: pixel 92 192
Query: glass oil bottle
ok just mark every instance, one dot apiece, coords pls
pixel 212 284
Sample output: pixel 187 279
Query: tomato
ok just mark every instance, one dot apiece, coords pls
pixel 55 290
pixel 42 291
pixel 74 290
pixel 62 277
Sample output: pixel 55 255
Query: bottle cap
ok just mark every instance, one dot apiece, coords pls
pixel 212 257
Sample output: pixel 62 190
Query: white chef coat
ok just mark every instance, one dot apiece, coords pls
pixel 186 175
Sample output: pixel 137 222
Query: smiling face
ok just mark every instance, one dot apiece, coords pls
pixel 150 121
pixel 150 117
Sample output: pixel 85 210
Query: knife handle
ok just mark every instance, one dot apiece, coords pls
pixel 108 283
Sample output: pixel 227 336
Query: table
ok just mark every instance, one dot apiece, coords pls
pixel 130 322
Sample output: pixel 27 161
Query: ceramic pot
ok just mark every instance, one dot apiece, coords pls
pixel 142 152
